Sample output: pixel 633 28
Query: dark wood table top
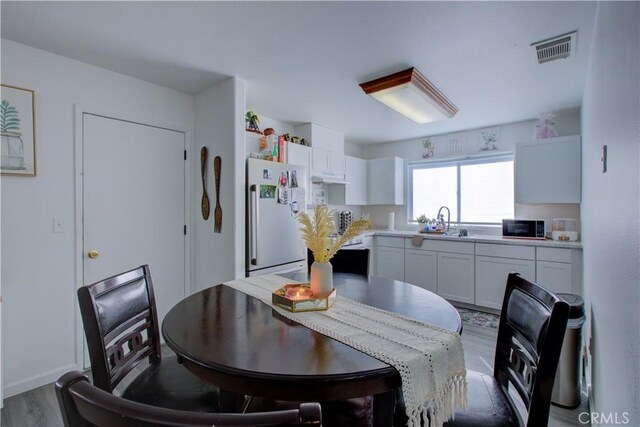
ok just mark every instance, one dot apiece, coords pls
pixel 244 346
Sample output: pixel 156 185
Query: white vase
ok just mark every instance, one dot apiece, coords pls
pixel 321 277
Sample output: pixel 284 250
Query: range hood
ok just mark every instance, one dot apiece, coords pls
pixel 328 179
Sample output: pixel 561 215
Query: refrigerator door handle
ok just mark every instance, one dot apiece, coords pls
pixel 253 227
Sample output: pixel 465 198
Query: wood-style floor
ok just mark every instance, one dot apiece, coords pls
pixel 39 407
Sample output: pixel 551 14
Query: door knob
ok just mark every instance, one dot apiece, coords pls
pixel 93 254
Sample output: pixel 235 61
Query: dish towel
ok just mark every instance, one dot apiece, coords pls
pixel 416 240
pixel 430 359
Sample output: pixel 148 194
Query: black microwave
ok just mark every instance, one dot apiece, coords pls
pixel 523 228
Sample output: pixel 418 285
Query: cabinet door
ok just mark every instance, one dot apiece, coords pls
pixel 390 262
pixel 548 171
pixel 356 176
pixel 299 155
pixel 336 163
pixel 491 278
pixel 385 181
pixel 456 277
pixel 555 276
pixel 420 268
pixel 320 160
pixel 321 137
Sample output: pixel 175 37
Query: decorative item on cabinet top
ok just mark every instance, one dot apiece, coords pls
pixel 429 148
pixel 545 127
pixel 252 121
pixel 490 138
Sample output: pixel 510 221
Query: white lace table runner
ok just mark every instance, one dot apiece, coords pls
pixel 429 359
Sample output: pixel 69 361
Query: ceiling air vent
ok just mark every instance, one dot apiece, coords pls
pixel 554 48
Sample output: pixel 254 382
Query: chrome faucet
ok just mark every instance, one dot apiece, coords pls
pixel 440 217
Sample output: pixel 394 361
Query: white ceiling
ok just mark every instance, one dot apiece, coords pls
pixel 303 60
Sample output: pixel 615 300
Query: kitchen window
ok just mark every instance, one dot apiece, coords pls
pixel 477 190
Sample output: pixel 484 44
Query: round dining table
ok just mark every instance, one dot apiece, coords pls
pixel 245 347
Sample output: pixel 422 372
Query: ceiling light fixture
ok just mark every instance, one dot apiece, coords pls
pixel 412 95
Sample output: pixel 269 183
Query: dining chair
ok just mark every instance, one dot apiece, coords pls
pixel 530 335
pixel 121 325
pixel 356 412
pixel 353 261
pixel 84 405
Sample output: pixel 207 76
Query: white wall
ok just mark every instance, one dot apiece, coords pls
pixel 470 142
pixel 219 123
pixel 354 150
pixel 611 209
pixel 38 267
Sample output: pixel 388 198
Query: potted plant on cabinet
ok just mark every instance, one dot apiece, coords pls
pixel 422 222
pixel 252 121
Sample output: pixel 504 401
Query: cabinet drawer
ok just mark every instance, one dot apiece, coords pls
pixel 393 242
pixel 453 247
pixel 554 255
pixel 506 251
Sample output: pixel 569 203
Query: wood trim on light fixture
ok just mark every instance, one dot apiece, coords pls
pixel 411 75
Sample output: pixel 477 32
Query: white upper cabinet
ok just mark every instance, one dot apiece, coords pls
pixel 321 137
pixel 327 149
pixel 548 171
pixel 327 163
pixel 385 181
pixel 355 191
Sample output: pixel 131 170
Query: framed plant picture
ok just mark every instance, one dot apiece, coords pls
pixel 18 130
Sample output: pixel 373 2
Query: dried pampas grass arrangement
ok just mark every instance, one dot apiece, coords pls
pixel 317 233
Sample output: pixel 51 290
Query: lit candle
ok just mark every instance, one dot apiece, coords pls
pixel 299 293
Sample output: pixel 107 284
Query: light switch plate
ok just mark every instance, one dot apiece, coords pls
pixel 603 159
pixel 58 225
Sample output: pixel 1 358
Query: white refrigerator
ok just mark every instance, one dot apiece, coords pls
pixel 276 193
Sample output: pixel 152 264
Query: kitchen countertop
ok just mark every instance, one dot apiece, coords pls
pixel 476 238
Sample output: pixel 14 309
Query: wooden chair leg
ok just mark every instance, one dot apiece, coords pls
pixel 383 404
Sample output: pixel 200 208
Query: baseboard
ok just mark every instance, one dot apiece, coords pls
pixel 37 381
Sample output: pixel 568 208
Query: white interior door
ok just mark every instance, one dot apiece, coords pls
pixel 134 204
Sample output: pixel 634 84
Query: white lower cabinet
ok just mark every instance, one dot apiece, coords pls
pixel 420 269
pixel 390 257
pixel 559 269
pixel 555 276
pixel 476 273
pixel 390 262
pixel 493 265
pixel 455 277
pixel 491 278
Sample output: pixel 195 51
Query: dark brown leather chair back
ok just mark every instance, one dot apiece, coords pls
pixel 121 325
pixel 84 405
pixel 530 335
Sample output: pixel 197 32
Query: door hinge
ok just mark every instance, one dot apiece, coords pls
pixel 185 230
pixel 185 154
